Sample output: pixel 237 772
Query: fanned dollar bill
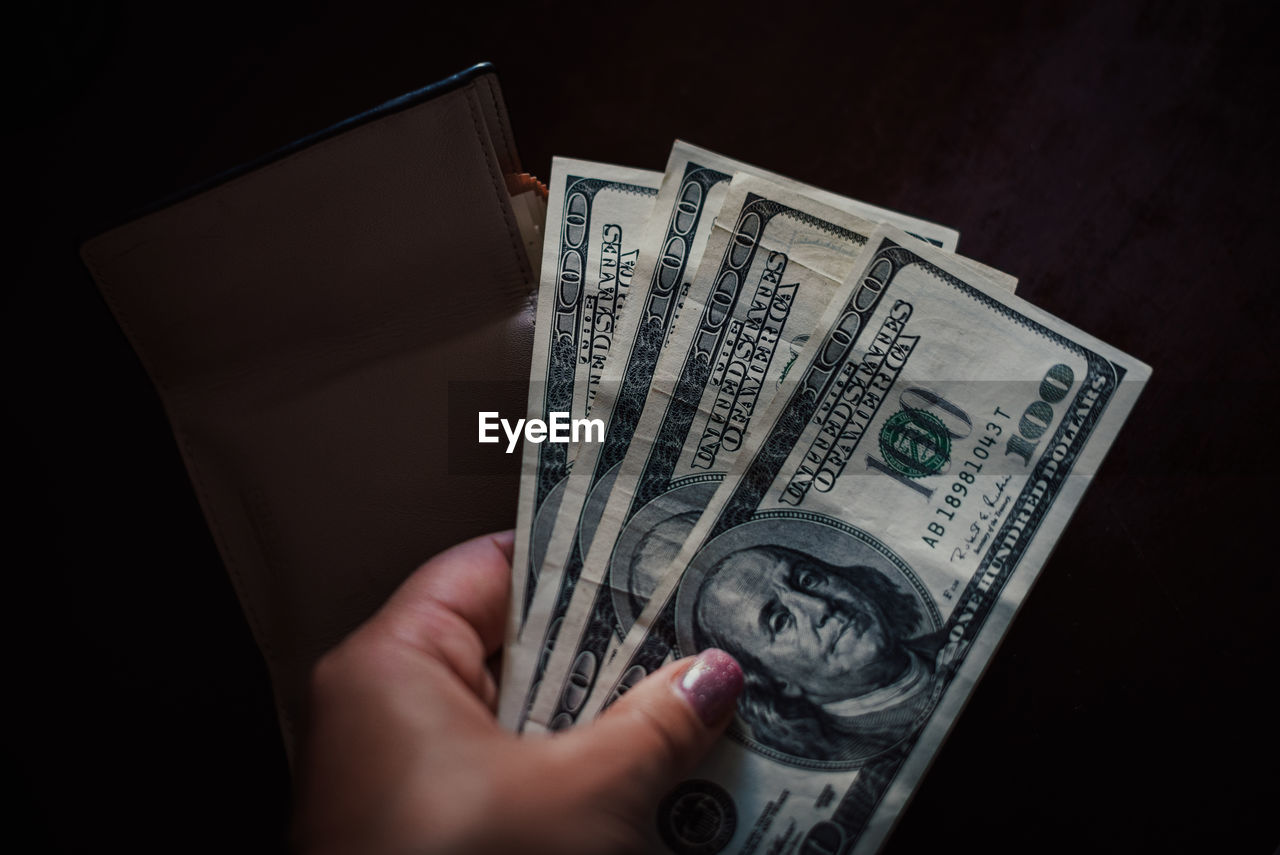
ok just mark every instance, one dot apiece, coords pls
pixel 652 498
pixel 775 259
pixel 692 193
pixel 870 547
pixel 596 213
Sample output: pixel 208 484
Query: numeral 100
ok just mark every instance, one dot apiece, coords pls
pixel 1038 415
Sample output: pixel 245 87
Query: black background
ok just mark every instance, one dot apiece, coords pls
pixel 1117 157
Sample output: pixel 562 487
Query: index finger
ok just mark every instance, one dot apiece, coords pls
pixel 472 580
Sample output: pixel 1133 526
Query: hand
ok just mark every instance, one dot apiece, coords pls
pixel 404 754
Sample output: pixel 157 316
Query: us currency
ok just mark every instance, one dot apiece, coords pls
pixel 596 213
pixel 692 192
pixel 639 508
pixel 871 546
pixel 772 262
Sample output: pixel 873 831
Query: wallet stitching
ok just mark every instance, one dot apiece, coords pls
pixel 522 258
pixel 492 86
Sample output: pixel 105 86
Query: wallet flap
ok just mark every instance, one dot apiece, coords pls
pixel 304 322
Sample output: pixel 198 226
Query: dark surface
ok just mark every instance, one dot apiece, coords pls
pixel 1118 158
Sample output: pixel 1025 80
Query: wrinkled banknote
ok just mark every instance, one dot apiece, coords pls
pixel 692 193
pixel 651 500
pixel 870 546
pixel 776 259
pixel 596 214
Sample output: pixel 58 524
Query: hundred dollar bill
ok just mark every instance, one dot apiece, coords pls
pixel 636 511
pixel 870 547
pixel 596 214
pixel 693 189
pixel 753 302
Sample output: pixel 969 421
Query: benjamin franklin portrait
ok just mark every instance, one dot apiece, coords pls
pixel 839 657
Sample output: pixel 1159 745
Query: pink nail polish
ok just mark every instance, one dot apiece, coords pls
pixel 712 685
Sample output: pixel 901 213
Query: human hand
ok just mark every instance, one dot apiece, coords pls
pixel 404 754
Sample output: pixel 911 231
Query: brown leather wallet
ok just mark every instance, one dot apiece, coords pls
pixel 306 320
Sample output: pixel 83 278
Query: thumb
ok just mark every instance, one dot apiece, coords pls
pixel 661 727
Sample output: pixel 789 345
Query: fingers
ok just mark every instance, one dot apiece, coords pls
pixel 471 580
pixel 660 728
pixel 451 610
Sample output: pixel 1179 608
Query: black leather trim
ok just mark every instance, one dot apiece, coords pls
pixel 387 108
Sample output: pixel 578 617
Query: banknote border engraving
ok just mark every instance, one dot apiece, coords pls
pixel 681 411
pixel 562 352
pixel 661 303
pixel 664 453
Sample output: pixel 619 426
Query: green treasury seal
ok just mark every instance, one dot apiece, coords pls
pixel 915 443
